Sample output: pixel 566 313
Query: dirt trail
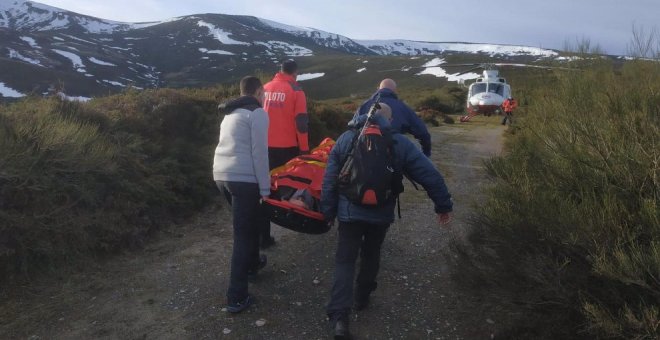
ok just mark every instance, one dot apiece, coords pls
pixel 174 288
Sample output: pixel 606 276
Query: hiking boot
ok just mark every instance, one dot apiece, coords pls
pixel 339 329
pixel 252 273
pixel 361 301
pixel 267 242
pixel 237 307
pixel 362 296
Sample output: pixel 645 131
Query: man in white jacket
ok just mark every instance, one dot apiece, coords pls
pixel 240 170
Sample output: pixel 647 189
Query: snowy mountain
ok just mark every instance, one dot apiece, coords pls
pixel 32 17
pixel 407 47
pixel 43 47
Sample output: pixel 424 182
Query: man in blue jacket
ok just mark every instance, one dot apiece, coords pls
pixel 404 119
pixel 364 228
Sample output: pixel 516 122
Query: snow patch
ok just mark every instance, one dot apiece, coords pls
pixel 291 50
pixel 59 23
pixel 409 47
pixel 433 69
pixel 116 83
pixel 220 35
pixel 101 62
pixel 31 42
pixel 17 55
pixel 81 40
pixel 75 60
pixel 6 91
pixel 204 50
pixel 63 96
pixel 119 48
pixel 308 76
pixel 572 58
pixel 320 37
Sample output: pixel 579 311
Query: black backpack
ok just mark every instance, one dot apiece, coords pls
pixel 369 175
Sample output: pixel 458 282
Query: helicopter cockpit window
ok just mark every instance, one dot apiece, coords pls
pixel 496 88
pixel 478 88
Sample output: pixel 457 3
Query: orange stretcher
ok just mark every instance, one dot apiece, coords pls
pixel 295 197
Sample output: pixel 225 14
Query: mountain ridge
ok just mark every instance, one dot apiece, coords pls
pixel 43 46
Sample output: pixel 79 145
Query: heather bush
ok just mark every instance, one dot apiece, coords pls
pixel 568 243
pixel 327 121
pixel 78 179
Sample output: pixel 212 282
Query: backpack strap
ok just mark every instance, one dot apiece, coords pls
pixel 349 153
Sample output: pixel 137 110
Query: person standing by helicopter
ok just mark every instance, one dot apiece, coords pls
pixel 508 106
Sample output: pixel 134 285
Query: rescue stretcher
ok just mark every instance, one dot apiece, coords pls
pixel 295 197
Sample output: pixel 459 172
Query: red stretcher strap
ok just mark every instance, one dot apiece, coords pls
pixel 297 209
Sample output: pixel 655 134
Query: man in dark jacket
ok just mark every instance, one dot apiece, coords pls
pixel 364 228
pixel 404 119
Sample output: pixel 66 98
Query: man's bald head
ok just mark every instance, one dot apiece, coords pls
pixel 385 111
pixel 387 83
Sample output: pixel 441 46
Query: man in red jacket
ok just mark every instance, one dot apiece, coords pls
pixel 285 102
pixel 509 105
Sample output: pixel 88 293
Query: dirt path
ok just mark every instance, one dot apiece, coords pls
pixel 174 288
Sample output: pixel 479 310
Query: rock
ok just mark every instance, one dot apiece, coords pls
pixel 260 322
pixel 226 331
pixel 316 281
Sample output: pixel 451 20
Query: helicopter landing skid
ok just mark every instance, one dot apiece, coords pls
pixel 468 117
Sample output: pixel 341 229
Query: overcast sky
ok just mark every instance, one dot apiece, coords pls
pixel 537 23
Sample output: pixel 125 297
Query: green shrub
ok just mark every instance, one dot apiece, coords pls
pixel 569 240
pixel 327 121
pixel 79 178
pixel 433 117
pixel 448 100
pixel 433 103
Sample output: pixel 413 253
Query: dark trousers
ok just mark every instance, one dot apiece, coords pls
pixel 352 238
pixel 276 158
pixel 279 156
pixel 246 214
pixel 508 116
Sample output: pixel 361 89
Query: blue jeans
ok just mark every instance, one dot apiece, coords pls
pixel 247 218
pixel 354 237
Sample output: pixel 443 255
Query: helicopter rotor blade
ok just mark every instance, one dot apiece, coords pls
pixel 469 70
pixel 408 68
pixel 534 66
pixel 477 66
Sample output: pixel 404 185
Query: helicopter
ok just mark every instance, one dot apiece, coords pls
pixel 487 93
